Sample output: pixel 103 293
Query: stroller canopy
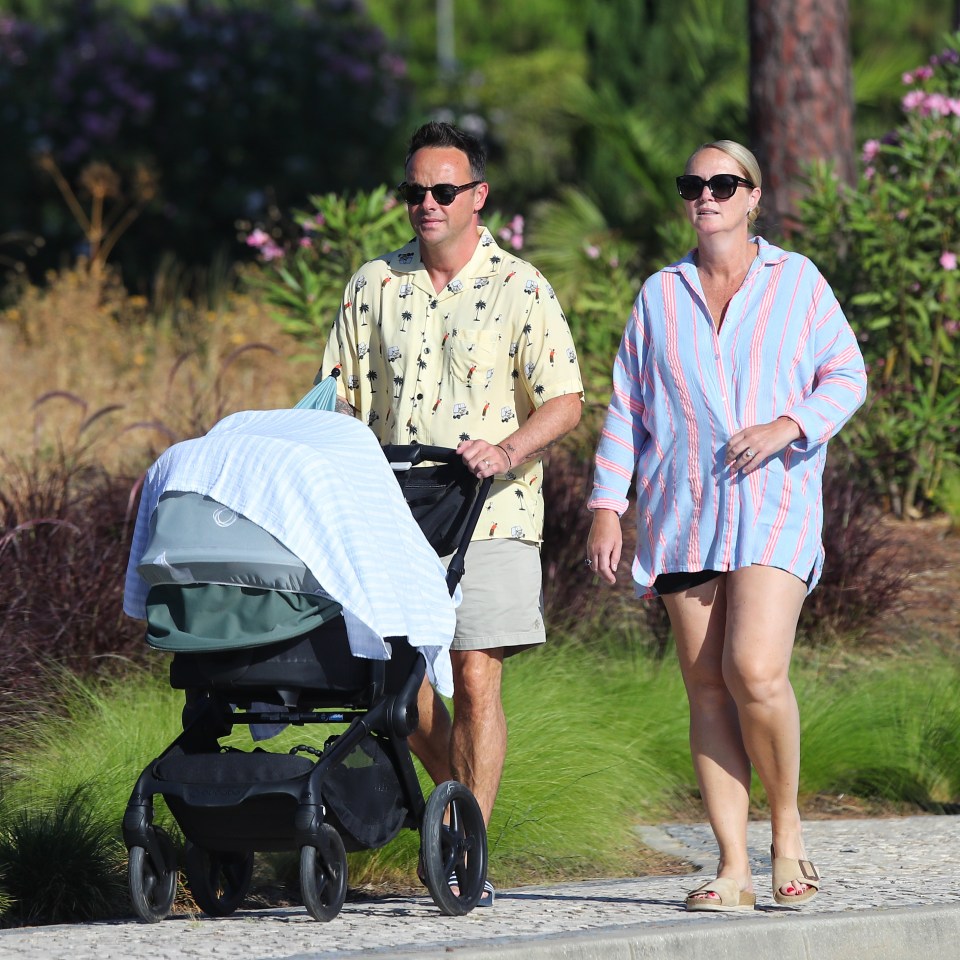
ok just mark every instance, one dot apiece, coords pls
pixel 315 485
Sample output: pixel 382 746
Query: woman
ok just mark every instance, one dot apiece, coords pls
pixel 736 367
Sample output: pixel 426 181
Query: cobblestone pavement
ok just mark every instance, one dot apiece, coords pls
pixel 891 890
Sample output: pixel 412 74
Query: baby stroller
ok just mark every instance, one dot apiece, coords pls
pixel 257 641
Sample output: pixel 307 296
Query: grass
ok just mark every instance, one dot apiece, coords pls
pixel 889 732
pixel 598 743
pixel 60 861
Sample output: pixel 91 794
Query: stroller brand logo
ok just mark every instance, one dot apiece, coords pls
pixel 224 517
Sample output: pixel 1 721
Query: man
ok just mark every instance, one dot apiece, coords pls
pixel 453 342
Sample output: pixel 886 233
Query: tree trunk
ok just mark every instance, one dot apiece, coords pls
pixel 801 98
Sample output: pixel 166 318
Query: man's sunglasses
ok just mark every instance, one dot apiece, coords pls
pixel 444 193
pixel 722 185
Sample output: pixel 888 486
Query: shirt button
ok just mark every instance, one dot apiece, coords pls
pixel 419 396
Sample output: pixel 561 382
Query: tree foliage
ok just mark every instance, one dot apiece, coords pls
pixel 890 248
pixel 228 109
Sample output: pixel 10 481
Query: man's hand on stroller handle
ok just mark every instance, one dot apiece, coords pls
pixel 484 459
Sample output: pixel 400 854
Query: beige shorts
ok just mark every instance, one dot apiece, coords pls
pixel 502 597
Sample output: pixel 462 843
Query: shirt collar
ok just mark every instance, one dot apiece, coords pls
pixel 767 254
pixel 486 258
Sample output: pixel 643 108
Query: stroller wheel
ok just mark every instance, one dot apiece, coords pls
pixel 219 882
pixel 323 875
pixel 453 842
pixel 152 885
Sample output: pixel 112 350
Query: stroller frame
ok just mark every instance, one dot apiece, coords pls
pixel 231 804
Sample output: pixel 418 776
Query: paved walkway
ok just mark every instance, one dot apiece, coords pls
pixel 892 892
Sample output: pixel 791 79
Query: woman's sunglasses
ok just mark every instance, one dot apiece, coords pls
pixel 444 193
pixel 722 185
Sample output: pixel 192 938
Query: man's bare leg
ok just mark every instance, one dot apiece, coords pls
pixel 430 742
pixel 478 746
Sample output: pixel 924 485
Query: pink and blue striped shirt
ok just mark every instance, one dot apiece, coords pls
pixel 681 388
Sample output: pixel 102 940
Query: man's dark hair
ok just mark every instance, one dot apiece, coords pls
pixel 438 133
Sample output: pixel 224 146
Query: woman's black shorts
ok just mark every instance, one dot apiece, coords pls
pixel 678 582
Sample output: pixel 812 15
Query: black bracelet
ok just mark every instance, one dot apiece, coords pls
pixel 507 455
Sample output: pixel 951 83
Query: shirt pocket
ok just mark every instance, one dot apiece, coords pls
pixel 472 355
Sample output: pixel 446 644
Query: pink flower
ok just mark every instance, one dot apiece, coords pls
pixel 592 251
pixel 948 260
pixel 258 238
pixel 907 79
pixel 306 242
pixel 951 326
pixel 870 150
pixel 270 251
pixel 914 100
pixel 513 232
pixel 924 73
pixel 869 172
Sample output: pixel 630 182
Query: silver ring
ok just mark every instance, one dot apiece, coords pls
pixel 749 454
pixel 588 562
pixel 487 462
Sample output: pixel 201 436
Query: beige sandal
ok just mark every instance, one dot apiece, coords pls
pixel 788 872
pixel 729 896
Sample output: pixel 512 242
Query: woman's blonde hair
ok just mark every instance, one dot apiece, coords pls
pixel 743 158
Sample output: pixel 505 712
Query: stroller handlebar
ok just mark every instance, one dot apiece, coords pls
pixel 405 456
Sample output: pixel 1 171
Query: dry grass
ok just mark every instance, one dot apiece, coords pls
pixel 84 344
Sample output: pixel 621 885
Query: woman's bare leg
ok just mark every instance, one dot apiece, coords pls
pixel 698 618
pixel 763 605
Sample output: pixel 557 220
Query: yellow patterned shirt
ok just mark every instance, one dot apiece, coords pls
pixel 470 362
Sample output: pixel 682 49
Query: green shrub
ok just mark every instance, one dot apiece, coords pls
pixel 232 108
pixel 60 862
pixel 890 248
pixel 305 277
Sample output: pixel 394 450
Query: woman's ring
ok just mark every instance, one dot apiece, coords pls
pixel 588 562
pixel 487 462
pixel 749 454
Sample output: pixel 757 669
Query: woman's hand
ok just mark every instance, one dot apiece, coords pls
pixel 748 448
pixel 604 544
